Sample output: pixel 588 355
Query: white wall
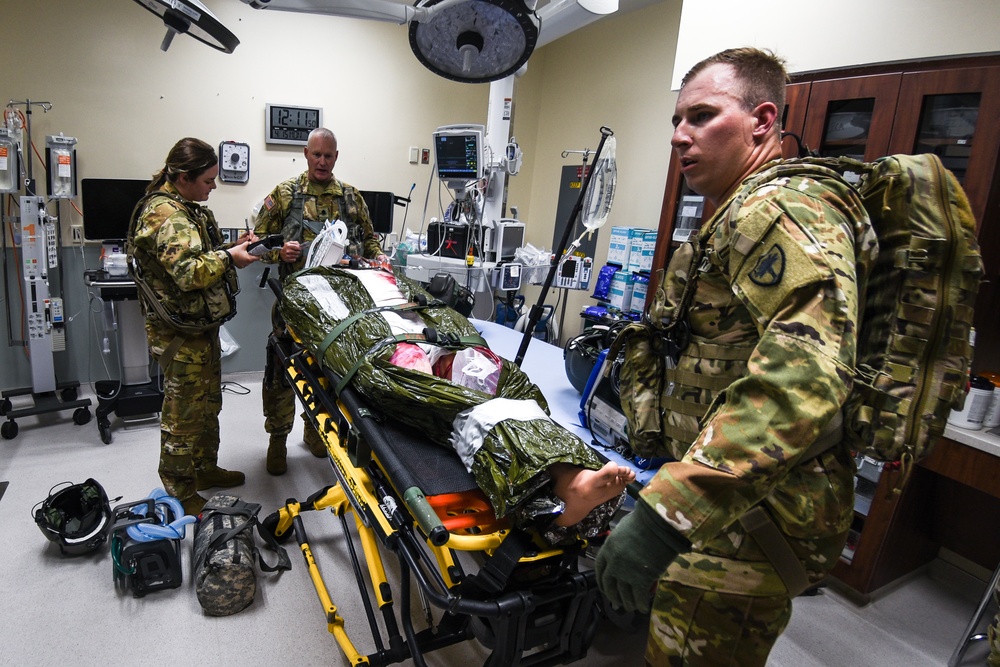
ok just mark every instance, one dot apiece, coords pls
pixel 818 35
pixel 99 63
pixel 614 73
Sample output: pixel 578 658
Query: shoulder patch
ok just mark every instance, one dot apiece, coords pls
pixel 778 267
pixel 269 202
pixel 770 267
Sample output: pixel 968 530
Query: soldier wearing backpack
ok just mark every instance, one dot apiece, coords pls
pixel 748 365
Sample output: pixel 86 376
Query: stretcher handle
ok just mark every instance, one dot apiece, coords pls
pixel 426 517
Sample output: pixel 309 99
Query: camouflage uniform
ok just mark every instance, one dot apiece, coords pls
pixel 336 200
pixel 772 326
pixel 190 279
pixel 993 634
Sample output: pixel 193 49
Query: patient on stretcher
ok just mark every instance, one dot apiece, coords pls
pixel 424 365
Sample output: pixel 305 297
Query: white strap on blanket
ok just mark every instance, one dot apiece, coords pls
pixel 471 426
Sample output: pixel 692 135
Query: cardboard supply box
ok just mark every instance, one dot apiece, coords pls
pixel 648 249
pixel 618 246
pixel 620 296
pixel 636 239
pixel 640 287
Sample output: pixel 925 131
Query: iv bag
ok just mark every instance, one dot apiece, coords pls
pixel 597 203
pixel 9 177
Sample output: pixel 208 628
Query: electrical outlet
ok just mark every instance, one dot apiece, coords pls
pixel 77 232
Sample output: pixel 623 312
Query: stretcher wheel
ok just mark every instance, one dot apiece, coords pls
pixel 69 394
pixel 9 430
pixel 270 524
pixel 5 406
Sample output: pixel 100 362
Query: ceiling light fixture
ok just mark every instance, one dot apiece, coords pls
pixel 190 17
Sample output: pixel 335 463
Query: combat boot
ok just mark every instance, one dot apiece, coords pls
pixel 314 441
pixel 178 476
pixel 276 463
pixel 217 477
pixel 193 505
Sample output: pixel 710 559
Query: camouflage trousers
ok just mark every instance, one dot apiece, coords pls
pixel 277 395
pixel 189 419
pixel 993 633
pixel 693 627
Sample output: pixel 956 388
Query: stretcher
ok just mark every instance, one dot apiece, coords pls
pixel 527 604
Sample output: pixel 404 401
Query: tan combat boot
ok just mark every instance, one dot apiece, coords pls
pixel 193 505
pixel 313 440
pixel 218 477
pixel 276 463
pixel 178 475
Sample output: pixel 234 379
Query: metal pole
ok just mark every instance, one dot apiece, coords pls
pixel 536 310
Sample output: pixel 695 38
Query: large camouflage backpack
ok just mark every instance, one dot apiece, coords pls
pixel 913 353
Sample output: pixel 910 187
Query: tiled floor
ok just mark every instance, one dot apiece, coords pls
pixel 59 611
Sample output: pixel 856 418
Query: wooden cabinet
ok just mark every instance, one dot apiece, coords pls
pixel 949 108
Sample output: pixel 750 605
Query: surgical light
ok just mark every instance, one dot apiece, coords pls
pixel 190 17
pixel 475 41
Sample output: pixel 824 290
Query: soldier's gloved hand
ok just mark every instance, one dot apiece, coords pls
pixel 634 556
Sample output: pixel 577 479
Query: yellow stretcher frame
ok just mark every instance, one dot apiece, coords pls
pixel 550 621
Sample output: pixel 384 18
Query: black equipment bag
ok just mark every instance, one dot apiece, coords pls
pixel 226 555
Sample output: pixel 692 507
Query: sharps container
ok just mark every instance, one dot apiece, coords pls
pixel 977 402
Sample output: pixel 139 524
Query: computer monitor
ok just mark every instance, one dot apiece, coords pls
pixel 458 153
pixel 380 207
pixel 107 206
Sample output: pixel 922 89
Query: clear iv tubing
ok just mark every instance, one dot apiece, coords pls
pixel 149 532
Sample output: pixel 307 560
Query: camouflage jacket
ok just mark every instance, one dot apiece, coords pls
pixel 772 325
pixel 336 200
pixel 177 246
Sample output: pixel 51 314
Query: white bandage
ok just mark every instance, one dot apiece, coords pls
pixel 471 426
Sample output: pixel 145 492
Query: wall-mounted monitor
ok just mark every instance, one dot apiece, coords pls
pixel 107 206
pixel 458 153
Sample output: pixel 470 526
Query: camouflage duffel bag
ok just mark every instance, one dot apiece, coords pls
pixel 226 555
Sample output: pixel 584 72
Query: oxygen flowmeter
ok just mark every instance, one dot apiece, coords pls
pixel 60 162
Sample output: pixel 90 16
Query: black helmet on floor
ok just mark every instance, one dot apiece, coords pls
pixel 580 355
pixel 77 517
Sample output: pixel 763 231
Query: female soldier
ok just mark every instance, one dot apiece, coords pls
pixel 187 285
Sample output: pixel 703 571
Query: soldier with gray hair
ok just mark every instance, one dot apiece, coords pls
pixel 186 279
pixel 296 209
pixel 745 367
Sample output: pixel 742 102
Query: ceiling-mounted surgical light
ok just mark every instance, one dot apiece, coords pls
pixel 190 17
pixel 474 41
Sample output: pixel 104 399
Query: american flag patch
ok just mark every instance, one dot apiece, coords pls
pixel 269 202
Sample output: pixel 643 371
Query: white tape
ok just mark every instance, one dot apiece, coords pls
pixel 471 426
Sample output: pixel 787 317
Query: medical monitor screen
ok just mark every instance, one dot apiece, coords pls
pixel 458 153
pixel 107 206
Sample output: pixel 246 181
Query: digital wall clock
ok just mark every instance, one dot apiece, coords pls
pixel 290 124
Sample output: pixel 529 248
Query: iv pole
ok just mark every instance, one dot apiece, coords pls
pixel 44 388
pixel 586 152
pixel 536 309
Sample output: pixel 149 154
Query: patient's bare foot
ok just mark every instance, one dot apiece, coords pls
pixel 582 489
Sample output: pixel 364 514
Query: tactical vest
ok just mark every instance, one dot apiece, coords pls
pixel 295 223
pixel 217 302
pixel 666 394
